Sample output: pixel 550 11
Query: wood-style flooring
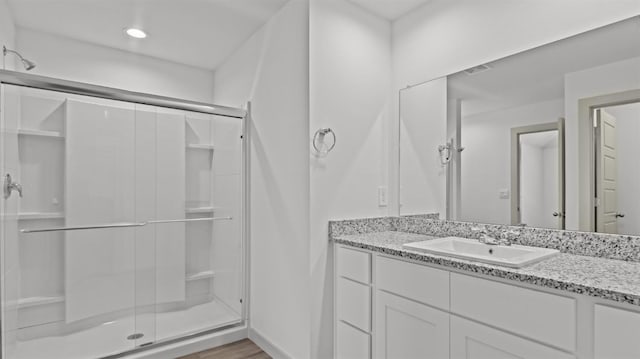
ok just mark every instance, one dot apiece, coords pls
pixel 243 349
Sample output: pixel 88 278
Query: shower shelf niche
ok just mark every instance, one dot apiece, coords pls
pixel 208 274
pixel 196 146
pixel 37 301
pixel 196 210
pixel 40 133
pixel 40 215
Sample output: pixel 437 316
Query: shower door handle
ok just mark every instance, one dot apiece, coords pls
pixel 9 186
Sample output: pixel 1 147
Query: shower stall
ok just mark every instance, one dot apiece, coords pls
pixel 122 219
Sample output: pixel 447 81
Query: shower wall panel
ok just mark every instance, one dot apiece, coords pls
pixel 100 189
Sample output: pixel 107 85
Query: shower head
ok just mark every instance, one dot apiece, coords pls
pixel 28 65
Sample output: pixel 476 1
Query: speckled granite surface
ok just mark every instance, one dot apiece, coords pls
pixel 602 245
pixel 597 277
pixel 377 224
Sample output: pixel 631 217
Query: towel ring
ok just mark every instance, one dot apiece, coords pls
pixel 319 137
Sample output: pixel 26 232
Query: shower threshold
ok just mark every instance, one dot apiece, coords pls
pixel 113 338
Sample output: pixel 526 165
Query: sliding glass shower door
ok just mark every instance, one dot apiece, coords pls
pixel 121 224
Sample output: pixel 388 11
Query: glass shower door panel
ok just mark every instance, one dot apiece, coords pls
pixel 69 288
pixel 213 217
pixel 227 248
pixel 129 230
pixel 161 197
pixel 9 164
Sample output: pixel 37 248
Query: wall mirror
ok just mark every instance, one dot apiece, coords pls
pixel 544 138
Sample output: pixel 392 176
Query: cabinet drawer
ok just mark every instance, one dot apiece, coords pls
pixel 421 283
pixel 471 340
pixel 352 343
pixel 353 264
pixel 353 301
pixel 617 333
pixel 545 317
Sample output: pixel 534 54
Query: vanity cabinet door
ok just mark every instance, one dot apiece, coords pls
pixel 407 329
pixel 616 334
pixel 470 340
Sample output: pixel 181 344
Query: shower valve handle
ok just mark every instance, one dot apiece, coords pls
pixel 10 186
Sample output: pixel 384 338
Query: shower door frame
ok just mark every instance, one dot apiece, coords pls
pixel 79 88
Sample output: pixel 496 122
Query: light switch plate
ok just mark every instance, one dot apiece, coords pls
pixel 504 193
pixel 382 196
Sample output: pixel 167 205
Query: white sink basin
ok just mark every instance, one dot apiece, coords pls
pixel 514 256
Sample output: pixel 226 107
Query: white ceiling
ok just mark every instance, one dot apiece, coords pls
pixel 538 75
pixel 199 33
pixel 390 9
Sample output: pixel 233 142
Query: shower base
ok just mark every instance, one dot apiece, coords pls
pixel 111 338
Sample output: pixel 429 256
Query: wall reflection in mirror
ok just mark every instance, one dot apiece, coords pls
pixel 544 138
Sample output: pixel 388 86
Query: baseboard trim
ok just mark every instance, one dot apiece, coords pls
pixel 267 346
pixel 194 345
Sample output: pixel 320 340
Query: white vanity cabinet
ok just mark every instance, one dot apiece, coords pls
pixel 616 334
pixel 391 308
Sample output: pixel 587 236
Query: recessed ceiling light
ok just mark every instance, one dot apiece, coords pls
pixel 137 33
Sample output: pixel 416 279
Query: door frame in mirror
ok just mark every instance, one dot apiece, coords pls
pixel 586 151
pixel 516 163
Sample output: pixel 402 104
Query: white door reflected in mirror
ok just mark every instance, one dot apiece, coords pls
pixel 617 171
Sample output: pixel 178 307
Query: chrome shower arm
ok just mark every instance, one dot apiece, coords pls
pixel 28 65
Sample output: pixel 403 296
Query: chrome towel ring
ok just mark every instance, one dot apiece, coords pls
pixel 318 141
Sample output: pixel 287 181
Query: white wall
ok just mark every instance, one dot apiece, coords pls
pixel 445 36
pixel 423 127
pixel 628 131
pixel 7 33
pixel 271 69
pixel 350 74
pixel 70 59
pixel 486 161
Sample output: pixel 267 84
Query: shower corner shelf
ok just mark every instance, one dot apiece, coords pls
pixel 40 215
pixel 195 146
pixel 40 133
pixel 200 275
pixel 195 210
pixel 37 301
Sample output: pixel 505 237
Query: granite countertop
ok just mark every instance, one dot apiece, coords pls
pixel 597 277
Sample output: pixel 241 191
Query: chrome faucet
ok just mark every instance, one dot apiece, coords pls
pixel 502 239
